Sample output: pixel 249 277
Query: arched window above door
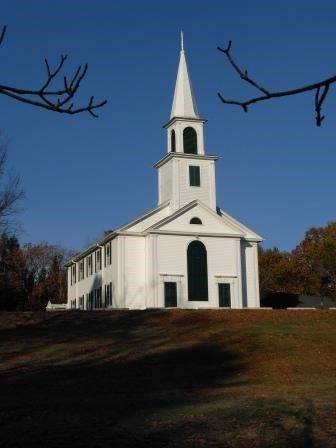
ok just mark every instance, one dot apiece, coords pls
pixel 195 220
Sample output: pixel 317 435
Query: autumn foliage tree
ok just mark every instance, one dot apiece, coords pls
pixel 11 273
pixel 275 270
pixel 314 262
pixel 308 269
pixel 31 275
pixel 10 190
pixel 45 273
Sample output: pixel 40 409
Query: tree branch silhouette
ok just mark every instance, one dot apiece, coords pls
pixel 321 88
pixel 54 100
pixel 10 189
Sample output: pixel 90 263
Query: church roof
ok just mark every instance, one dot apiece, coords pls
pixel 217 223
pixel 184 104
pixel 160 220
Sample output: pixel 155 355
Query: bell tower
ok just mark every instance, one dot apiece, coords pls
pixel 185 127
pixel 186 173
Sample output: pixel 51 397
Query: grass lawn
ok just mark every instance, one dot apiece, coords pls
pixel 168 378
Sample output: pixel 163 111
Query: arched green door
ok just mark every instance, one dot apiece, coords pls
pixel 197 271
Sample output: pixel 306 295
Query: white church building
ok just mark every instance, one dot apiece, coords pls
pixel 186 252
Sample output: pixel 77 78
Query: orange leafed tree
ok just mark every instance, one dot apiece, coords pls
pixel 31 275
pixel 314 261
pixel 45 272
pixel 308 269
pixel 276 271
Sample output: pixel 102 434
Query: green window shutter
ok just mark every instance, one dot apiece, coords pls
pixel 173 143
pixel 194 176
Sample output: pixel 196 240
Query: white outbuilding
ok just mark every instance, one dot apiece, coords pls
pixel 186 252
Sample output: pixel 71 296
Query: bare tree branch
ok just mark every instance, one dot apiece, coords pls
pixel 3 32
pixel 267 95
pixel 10 190
pixel 53 100
pixel 243 75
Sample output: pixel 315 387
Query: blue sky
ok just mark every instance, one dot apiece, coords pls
pixel 83 175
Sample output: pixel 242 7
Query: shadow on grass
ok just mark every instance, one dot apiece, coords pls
pixel 137 379
pixel 137 372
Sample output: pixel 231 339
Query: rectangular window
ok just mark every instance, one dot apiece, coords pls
pixel 89 265
pixel 108 295
pixel 98 298
pixel 194 176
pixel 89 304
pixel 98 260
pixel 73 274
pixel 108 255
pixel 81 270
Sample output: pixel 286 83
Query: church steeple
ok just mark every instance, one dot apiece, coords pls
pixel 184 104
pixel 186 173
pixel 185 127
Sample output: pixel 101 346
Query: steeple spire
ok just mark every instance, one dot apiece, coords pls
pixel 184 104
pixel 186 173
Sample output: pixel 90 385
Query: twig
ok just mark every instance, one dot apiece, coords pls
pixel 243 75
pixel 267 95
pixel 3 32
pixel 53 100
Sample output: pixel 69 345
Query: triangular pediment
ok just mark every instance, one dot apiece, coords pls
pixel 212 223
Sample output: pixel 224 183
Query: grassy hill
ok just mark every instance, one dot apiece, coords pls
pixel 168 378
